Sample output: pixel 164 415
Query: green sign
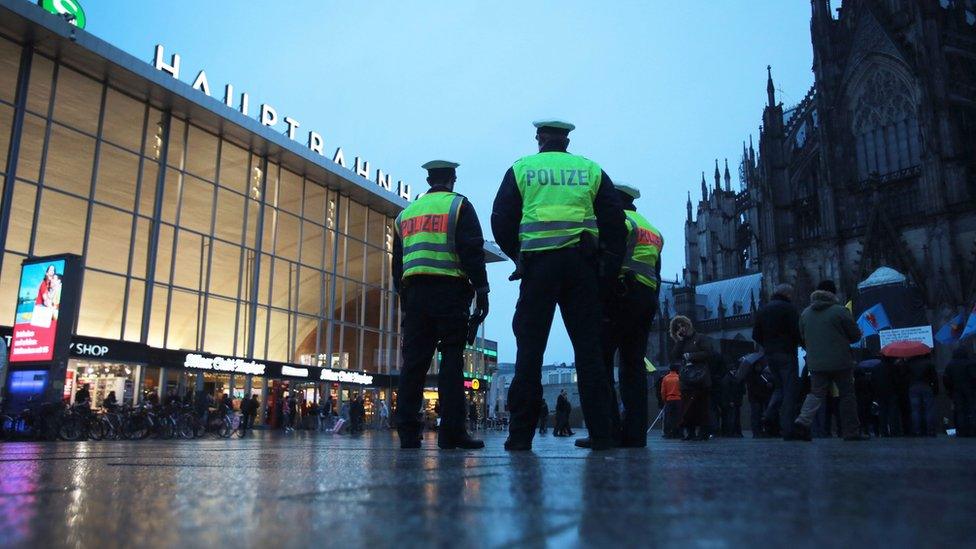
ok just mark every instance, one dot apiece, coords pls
pixel 69 9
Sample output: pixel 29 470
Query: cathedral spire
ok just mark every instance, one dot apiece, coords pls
pixel 770 89
pixel 704 188
pixel 688 206
pixel 718 177
pixel 752 152
pixel 728 176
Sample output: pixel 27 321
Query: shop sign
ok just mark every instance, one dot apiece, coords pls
pixel 71 10
pixel 223 364
pixel 346 377
pixel 292 371
pixel 268 116
pixel 473 384
pixel 85 349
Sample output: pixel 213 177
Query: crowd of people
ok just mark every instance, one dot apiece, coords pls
pixel 837 391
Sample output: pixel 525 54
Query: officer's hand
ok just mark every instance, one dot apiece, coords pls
pixel 481 307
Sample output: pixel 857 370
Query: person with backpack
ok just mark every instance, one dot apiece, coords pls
pixel 694 353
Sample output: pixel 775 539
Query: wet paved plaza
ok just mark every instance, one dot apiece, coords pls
pixel 318 490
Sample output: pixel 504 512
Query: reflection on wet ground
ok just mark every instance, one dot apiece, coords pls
pixel 306 489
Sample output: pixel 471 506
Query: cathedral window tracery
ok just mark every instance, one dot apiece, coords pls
pixel 885 126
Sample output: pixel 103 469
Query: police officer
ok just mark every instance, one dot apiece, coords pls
pixel 438 267
pixel 559 217
pixel 630 310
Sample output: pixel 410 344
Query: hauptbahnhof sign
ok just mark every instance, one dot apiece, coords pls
pixel 268 116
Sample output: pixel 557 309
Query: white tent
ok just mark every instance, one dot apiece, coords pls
pixel 881 277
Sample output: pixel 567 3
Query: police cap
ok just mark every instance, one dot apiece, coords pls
pixel 626 189
pixel 554 126
pixel 440 170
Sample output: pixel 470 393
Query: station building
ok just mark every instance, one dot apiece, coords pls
pixel 221 253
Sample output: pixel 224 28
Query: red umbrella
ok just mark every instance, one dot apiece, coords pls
pixel 905 349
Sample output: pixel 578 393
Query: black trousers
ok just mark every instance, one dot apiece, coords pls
pixel 627 325
pixel 564 277
pixel 435 317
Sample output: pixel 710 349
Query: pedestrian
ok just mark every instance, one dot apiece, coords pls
pixel 694 353
pixel 732 393
pixel 922 389
pixel 671 395
pixel 777 330
pixel 384 415
pixel 557 215
pixel 883 389
pixel 83 396
pixel 438 267
pixel 286 414
pixel 629 309
pixel 329 412
pixel 827 330
pixel 249 410
pixel 111 402
pixel 543 417
pixel 960 381
pixel 562 415
pixel 759 390
pixel 472 415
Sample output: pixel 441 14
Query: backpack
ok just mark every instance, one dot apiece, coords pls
pixel 695 375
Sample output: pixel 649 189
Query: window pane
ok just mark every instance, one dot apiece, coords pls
pixel 154 134
pixel 309 291
pixel 253 215
pixel 139 247
pixel 9 283
pixel 306 339
pixel 6 119
pixel 197 204
pixel 233 167
pixel 102 298
pixel 174 154
pixel 260 332
pixel 350 347
pixel 171 195
pixel 353 302
pixel 189 271
pixel 118 173
pixel 279 343
pixel 9 67
pixel 61 224
pixel 376 261
pixel 355 252
pixel 164 253
pixel 230 216
pixel 268 228
pixel 147 189
pixel 70 157
pixel 312 242
pixel 290 192
pixel 39 88
pixel 78 100
pixel 201 154
pixel 225 269
pixel 182 321
pixel 108 242
pixel 372 352
pixel 286 241
pixel 133 315
pixel 314 202
pixel 373 315
pixel 356 224
pixel 21 217
pixel 221 318
pixel 376 231
pixel 157 318
pixel 123 119
pixel 31 147
pixel 281 295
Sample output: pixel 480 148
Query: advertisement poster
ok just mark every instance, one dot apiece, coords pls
pixel 38 307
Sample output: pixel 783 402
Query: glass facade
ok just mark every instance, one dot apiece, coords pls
pixel 191 241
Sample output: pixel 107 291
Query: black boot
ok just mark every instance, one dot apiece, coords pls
pixel 462 441
pixel 409 439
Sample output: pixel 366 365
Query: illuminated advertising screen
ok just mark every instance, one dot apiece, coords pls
pixel 38 311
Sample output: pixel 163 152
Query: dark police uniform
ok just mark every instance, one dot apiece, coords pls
pixel 630 310
pixel 438 267
pixel 558 215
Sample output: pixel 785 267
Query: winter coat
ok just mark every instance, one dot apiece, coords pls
pixel 960 374
pixel 777 327
pixel 700 350
pixel 828 330
pixel 671 387
pixel 921 371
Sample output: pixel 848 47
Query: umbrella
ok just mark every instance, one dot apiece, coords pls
pixel 905 349
pixel 747 363
pixel 869 363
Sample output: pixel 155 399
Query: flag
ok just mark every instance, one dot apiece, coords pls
pixel 649 366
pixel 873 320
pixel 952 330
pixel 970 328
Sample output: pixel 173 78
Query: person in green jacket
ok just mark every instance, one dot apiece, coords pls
pixel 828 330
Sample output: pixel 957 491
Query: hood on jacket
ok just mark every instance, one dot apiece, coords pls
pixel 679 321
pixel 822 299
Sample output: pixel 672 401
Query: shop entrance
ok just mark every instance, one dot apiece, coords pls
pixel 101 378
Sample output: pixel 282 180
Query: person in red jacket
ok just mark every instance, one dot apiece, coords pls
pixel 671 395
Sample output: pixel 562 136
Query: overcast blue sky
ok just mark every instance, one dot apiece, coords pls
pixel 657 89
